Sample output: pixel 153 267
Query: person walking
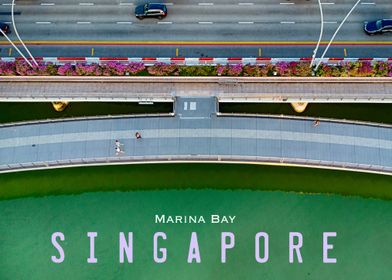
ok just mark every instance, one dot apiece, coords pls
pixel 138 135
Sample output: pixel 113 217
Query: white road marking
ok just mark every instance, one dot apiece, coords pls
pixel 206 4
pixel 169 4
pixel 286 3
pixel 330 22
pixel 328 3
pixel 124 22
pixel 165 22
pixel 7 4
pixel 126 4
pixel 245 4
pixel 86 4
pixel 205 22
pixel 287 22
pixel 43 22
pixel 83 22
pixel 47 4
pixel 368 3
pixel 246 22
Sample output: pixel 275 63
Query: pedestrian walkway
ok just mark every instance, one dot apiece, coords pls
pixel 197 133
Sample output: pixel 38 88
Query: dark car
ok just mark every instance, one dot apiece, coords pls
pixel 5 27
pixel 151 10
pixel 378 26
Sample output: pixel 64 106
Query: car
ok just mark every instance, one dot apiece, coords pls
pixel 5 27
pixel 378 26
pixel 156 10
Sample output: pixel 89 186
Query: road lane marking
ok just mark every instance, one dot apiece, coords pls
pixel 205 22
pixel 83 22
pixel 287 22
pixel 206 4
pixel 169 4
pixel 43 22
pixel 124 22
pixel 7 4
pixel 245 4
pixel 164 22
pixel 286 3
pixel 246 22
pixel 327 3
pixel 367 3
pixel 47 4
pixel 333 22
pixel 126 4
pixel 86 4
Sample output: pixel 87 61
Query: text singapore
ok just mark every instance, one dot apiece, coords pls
pixel 227 240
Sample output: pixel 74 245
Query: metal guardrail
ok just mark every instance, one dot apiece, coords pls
pixel 196 158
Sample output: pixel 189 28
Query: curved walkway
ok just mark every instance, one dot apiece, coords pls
pixel 197 133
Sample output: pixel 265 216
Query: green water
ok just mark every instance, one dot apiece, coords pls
pixel 362 246
pixel 193 175
pixel 380 113
pixel 28 111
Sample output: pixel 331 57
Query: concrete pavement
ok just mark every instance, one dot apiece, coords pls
pixel 197 133
pixel 226 89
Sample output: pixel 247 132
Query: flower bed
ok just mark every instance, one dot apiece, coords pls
pixel 282 69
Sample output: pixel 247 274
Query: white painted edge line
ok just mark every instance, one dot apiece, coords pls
pixel 124 22
pixel 47 4
pixel 83 22
pixel 43 22
pixel 286 3
pixel 7 4
pixel 245 4
pixel 368 3
pixel 169 4
pixel 327 3
pixel 126 4
pixel 333 22
pixel 86 4
pixel 245 22
pixel 287 22
pixel 206 4
pixel 205 22
pixel 165 22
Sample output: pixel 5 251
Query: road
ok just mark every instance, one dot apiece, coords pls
pixel 213 28
pixel 197 133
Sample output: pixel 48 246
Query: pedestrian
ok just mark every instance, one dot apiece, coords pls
pixel 316 123
pixel 118 144
pixel 138 135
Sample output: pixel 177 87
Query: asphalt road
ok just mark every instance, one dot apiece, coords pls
pixel 214 28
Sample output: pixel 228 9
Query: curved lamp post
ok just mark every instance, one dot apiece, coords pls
pixel 334 35
pixel 17 35
pixel 17 49
pixel 321 33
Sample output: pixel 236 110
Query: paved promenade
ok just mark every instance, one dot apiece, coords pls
pixel 196 133
pixel 239 89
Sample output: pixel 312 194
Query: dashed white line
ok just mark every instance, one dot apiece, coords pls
pixel 124 22
pixel 126 4
pixel 330 22
pixel 287 22
pixel 86 4
pixel 165 22
pixel 83 22
pixel 169 4
pixel 206 4
pixel 205 22
pixel 368 3
pixel 286 3
pixel 327 3
pixel 43 22
pixel 245 22
pixel 245 4
pixel 7 4
pixel 47 4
